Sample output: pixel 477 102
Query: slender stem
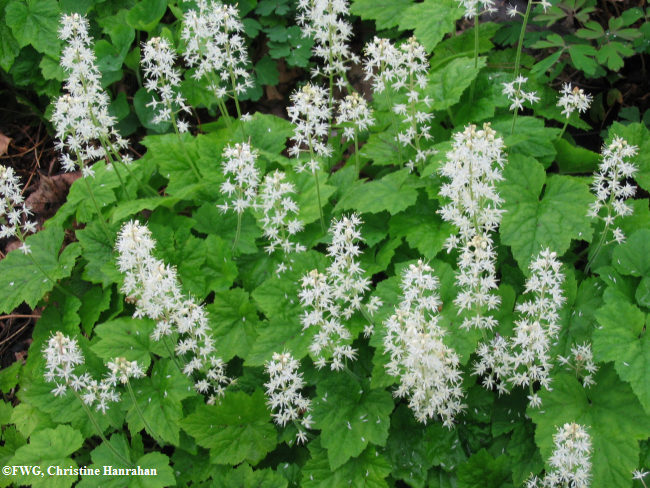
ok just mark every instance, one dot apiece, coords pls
pixel 144 421
pixel 315 173
pixel 92 199
pixel 357 163
pixel 597 251
pixel 118 158
pixel 520 45
pixel 476 48
pixel 238 232
pixel 195 170
pixel 514 121
pixel 171 354
pixel 99 430
pixel 566 123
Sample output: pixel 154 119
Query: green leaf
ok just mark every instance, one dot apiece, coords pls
pixel 146 113
pixel 233 319
pixel 278 335
pixel 31 276
pixel 392 193
pixel 385 13
pixel 131 207
pixel 267 72
pixel 129 338
pixel 210 220
pixel 350 417
pixel 103 456
pixel 93 302
pixel 9 376
pixel 159 397
pixel 97 248
pixel 575 159
pixel 614 436
pixel 146 14
pixel 238 429
pixel 35 22
pixel 423 229
pixel 244 476
pixel 530 224
pixel 523 452
pixel 101 186
pixel 9 47
pixel 633 257
pixel 482 470
pixel 530 138
pixel 49 447
pixel 431 20
pixel 622 339
pixel 447 84
pixel 369 470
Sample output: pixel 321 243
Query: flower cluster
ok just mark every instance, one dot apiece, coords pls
pixel 516 95
pixel 310 114
pixel 161 77
pixel 477 7
pixel 412 79
pixel 581 362
pixel 572 99
pixel 62 357
pixel 277 221
pixel 324 21
pixel 353 110
pixel 154 288
pixel 13 210
pixel 239 163
pixel 283 391
pixel 429 371
pixel 609 187
pixel 215 46
pixel 122 370
pixel 473 167
pixel 570 461
pixel 85 131
pixel 524 359
pixel 331 297
pixel 382 63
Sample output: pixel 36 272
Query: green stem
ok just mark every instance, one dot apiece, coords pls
pixel 195 170
pixel 144 421
pixel 171 354
pixel 520 44
pixel 514 121
pixel 99 430
pixel 357 163
pixel 315 173
pixel 118 158
pixel 238 232
pixel 476 48
pixel 566 123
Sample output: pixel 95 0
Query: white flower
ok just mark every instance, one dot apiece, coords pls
pixel 517 95
pixel 527 360
pixel 610 186
pixel 411 80
pixel 122 370
pixel 382 64
pixel 581 362
pixel 324 21
pixel 13 211
pixel 283 392
pixel 353 110
pixel 310 114
pixel 570 462
pixel 429 371
pixel 474 7
pixel 279 220
pixel 158 60
pixel 215 46
pixel 239 163
pixel 154 288
pixel 84 128
pixel 572 99
pixel 474 167
pixel 333 297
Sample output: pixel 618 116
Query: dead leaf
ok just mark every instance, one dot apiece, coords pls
pixel 50 194
pixel 4 143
